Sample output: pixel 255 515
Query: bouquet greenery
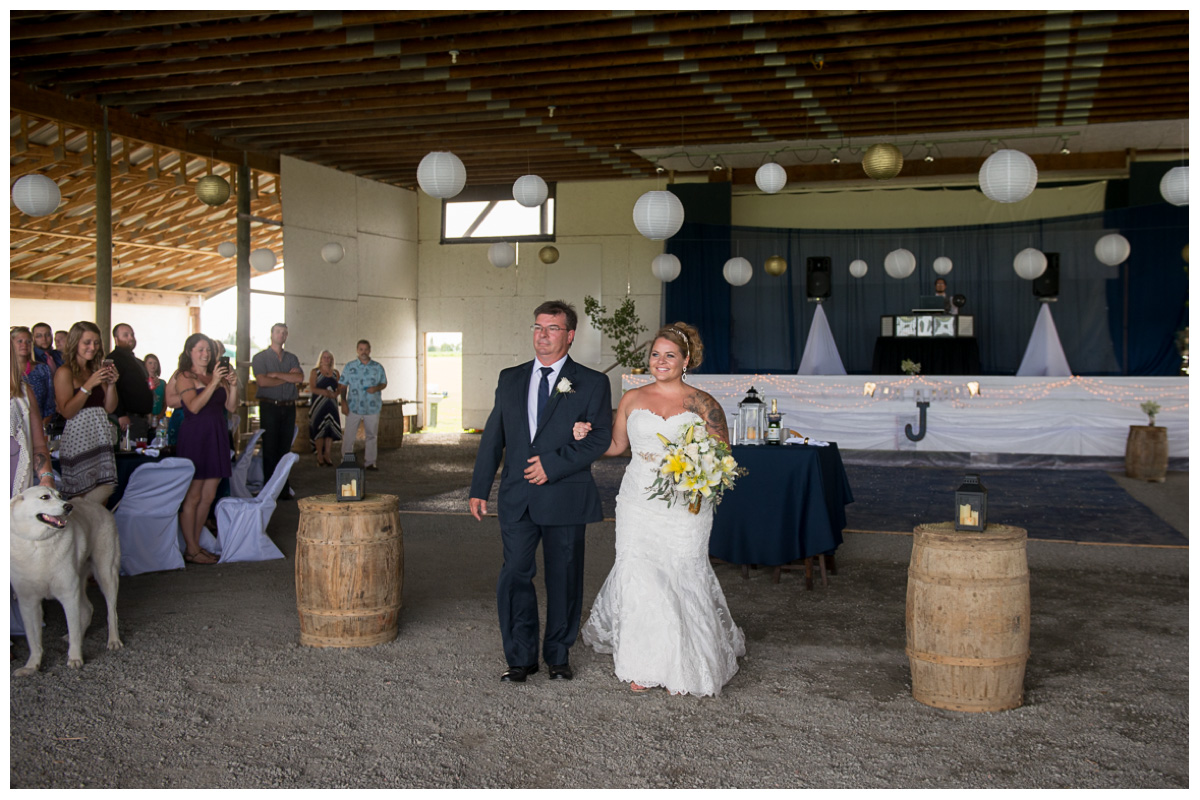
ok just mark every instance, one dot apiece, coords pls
pixel 697 465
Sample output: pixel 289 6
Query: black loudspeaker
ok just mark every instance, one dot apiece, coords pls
pixel 818 276
pixel 1046 284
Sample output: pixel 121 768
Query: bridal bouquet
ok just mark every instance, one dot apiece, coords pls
pixel 696 466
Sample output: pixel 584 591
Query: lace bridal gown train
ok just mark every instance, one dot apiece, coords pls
pixel 661 612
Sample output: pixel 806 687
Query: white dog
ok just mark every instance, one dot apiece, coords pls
pixel 51 545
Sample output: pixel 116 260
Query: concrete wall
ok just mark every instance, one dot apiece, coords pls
pixel 601 254
pixel 161 330
pixel 372 292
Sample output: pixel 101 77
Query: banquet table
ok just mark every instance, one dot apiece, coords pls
pixel 789 506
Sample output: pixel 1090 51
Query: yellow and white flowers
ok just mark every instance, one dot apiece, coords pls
pixel 695 466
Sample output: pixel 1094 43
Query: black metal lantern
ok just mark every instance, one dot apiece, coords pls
pixel 350 481
pixel 970 505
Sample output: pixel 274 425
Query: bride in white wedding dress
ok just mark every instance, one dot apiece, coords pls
pixel 661 612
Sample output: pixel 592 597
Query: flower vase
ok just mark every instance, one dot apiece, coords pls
pixel 694 505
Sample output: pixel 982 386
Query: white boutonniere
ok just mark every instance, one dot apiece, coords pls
pixel 564 387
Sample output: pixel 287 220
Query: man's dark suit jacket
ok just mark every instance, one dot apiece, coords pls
pixel 569 496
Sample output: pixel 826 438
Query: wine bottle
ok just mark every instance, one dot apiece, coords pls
pixel 774 429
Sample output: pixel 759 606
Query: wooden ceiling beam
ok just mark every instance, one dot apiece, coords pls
pixel 174 36
pixel 43 103
pixel 725 42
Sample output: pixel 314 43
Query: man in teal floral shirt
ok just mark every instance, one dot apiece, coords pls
pixel 361 385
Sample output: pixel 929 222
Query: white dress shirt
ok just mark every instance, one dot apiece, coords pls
pixel 534 380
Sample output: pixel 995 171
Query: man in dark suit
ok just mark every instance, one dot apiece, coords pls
pixel 546 489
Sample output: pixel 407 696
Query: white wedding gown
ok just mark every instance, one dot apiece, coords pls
pixel 661 611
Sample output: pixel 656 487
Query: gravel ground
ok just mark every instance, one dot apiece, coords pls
pixel 214 690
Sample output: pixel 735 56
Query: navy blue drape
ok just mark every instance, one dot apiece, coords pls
pixel 762 326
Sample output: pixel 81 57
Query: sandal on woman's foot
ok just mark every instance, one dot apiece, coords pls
pixel 638 688
pixel 200 557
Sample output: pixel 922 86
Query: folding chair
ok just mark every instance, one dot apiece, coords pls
pixel 241 469
pixel 242 521
pixel 148 516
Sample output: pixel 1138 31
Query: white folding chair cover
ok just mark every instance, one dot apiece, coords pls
pixel 238 481
pixel 242 522
pixel 148 516
pixel 16 626
pixel 254 480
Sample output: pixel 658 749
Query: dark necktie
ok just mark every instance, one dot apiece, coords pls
pixel 543 394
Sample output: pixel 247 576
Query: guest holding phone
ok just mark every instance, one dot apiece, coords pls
pixel 206 391
pixel 85 393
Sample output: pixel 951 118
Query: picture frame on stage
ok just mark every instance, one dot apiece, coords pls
pixel 925 325
pixel 943 326
pixel 906 326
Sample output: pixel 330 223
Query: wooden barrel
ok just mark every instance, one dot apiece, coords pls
pixel 1146 453
pixel 349 571
pixel 967 617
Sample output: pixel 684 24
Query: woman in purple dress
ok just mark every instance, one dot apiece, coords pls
pixel 206 390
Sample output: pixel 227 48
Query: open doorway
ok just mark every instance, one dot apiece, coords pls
pixel 443 382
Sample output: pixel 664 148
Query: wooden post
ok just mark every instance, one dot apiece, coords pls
pixel 104 235
pixel 243 272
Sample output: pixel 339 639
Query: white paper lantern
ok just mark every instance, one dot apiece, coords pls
pixel 771 177
pixel 530 191
pixel 738 271
pixel 1030 263
pixel 502 255
pixel 658 215
pixel 227 249
pixel 333 252
pixel 1008 176
pixel 942 265
pixel 212 190
pixel 36 195
pixel 262 259
pixel 858 268
pixel 441 174
pixel 1112 249
pixel 899 263
pixel 1174 186
pixel 666 267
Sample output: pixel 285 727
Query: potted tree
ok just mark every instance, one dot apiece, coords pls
pixel 622 328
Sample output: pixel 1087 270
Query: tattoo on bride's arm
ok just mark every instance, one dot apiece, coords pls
pixel 710 411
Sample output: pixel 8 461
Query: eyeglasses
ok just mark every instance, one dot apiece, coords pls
pixel 553 330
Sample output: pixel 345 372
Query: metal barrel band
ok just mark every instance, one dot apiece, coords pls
pixel 939 580
pixel 956 661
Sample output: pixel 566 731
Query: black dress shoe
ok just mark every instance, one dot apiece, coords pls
pixel 518 674
pixel 561 672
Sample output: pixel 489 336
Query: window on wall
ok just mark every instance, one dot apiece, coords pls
pixel 218 315
pixel 489 214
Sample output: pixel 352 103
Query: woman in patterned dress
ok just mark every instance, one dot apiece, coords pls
pixel 324 422
pixel 85 393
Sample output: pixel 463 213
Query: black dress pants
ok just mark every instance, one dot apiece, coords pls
pixel 279 428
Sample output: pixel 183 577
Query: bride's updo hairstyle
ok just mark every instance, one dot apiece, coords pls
pixel 687 339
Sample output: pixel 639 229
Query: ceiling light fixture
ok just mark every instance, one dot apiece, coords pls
pixel 453 56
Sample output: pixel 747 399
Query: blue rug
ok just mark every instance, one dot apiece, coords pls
pixel 1071 505
pixel 1063 504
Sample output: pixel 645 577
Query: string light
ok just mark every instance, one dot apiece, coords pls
pixel 846 394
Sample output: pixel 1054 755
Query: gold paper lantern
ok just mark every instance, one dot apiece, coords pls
pixel 548 254
pixel 775 265
pixel 882 161
pixel 212 190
